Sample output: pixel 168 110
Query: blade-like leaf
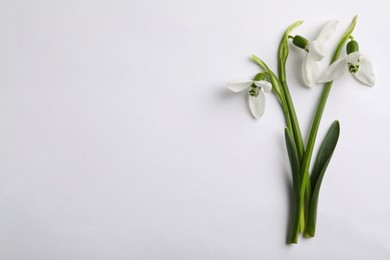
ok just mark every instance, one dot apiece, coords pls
pixel 322 161
pixel 325 152
pixel 295 169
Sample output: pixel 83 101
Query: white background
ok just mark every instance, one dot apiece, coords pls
pixel 119 139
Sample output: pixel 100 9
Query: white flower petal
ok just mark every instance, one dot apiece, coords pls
pixel 239 85
pixel 310 71
pixel 257 104
pixel 327 31
pixel 316 50
pixel 265 85
pixel 365 73
pixel 353 57
pixel 334 71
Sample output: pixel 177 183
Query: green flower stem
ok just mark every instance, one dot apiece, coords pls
pixel 286 112
pixel 283 55
pixel 294 120
pixel 281 89
pixel 297 221
pixel 318 116
pixel 284 105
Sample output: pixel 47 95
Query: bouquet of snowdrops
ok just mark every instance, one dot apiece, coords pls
pixel 306 180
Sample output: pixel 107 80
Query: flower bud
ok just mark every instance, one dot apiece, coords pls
pixel 352 46
pixel 300 41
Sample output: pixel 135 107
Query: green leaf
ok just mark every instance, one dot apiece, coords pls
pixel 325 152
pixel 322 161
pixel 295 169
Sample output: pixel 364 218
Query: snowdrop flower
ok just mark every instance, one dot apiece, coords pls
pixel 257 88
pixel 357 64
pixel 314 51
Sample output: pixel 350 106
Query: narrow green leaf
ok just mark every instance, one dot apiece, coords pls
pixel 322 161
pixel 325 152
pixel 295 169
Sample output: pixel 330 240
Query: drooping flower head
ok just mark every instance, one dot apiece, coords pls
pixel 314 51
pixel 359 66
pixel 256 89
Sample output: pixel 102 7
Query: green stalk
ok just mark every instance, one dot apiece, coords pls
pixel 296 221
pixel 283 103
pixel 283 55
pixel 319 113
pixel 306 189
